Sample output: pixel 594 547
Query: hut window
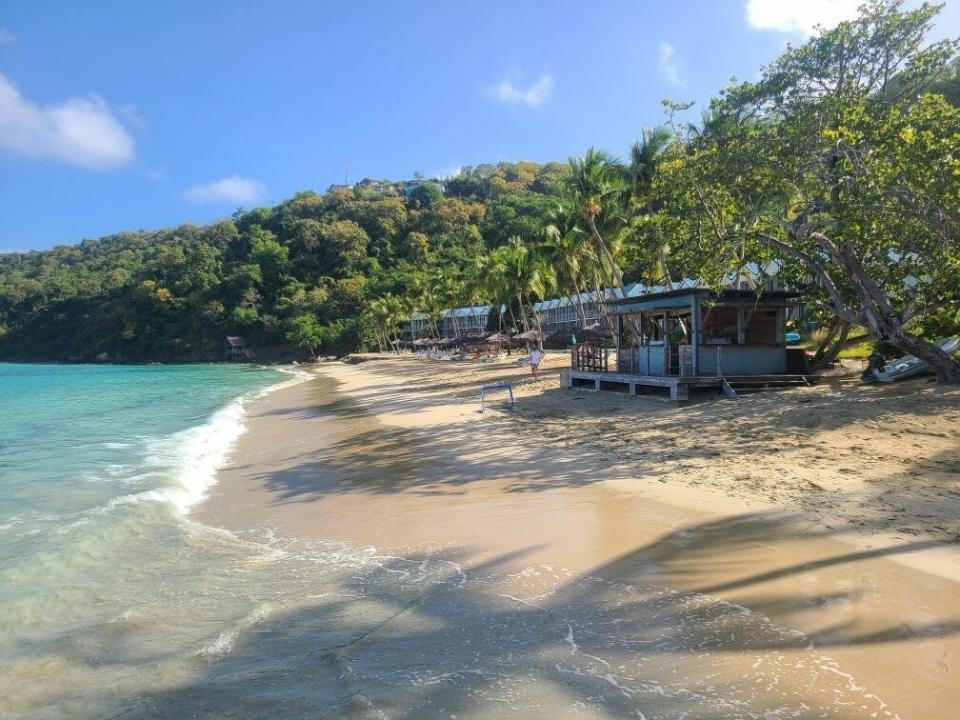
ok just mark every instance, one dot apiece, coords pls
pixel 720 326
pixel 653 327
pixel 762 328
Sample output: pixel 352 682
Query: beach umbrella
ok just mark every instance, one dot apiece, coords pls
pixel 497 337
pixel 474 337
pixel 531 336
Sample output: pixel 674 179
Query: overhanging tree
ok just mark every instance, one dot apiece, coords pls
pixel 822 165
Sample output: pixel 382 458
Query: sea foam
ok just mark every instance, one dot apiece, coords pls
pixel 192 457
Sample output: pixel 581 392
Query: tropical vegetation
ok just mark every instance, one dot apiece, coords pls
pixel 839 167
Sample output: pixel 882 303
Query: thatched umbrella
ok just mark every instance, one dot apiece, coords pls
pixel 474 337
pixel 497 338
pixel 531 336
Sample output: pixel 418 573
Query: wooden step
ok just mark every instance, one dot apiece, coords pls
pixel 798 379
pixel 744 384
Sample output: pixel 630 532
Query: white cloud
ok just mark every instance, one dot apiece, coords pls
pixel 233 189
pixel 799 16
pixel 669 67
pixel 130 113
pixel 6 38
pixel 80 131
pixel 512 92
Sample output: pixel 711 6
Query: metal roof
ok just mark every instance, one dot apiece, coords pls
pixel 680 297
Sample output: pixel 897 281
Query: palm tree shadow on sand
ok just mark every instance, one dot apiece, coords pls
pixel 502 642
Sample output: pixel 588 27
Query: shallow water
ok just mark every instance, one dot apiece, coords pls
pixel 115 603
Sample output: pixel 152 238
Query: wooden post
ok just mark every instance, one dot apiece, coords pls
pixel 695 333
pixel 679 391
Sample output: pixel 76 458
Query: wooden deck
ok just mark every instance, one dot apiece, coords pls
pixel 679 386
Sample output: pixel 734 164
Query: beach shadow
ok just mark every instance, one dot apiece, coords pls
pixel 619 642
pixel 777 446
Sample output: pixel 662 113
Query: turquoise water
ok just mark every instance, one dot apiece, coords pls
pixel 99 466
pixel 75 438
pixel 115 603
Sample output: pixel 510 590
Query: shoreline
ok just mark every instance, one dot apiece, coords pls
pixel 373 454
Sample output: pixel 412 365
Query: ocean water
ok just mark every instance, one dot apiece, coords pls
pixel 114 603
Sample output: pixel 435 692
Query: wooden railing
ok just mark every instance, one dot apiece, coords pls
pixel 589 358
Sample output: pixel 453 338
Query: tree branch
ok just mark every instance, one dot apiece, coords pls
pixel 839 308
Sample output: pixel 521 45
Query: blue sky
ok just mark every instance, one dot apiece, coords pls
pixel 120 115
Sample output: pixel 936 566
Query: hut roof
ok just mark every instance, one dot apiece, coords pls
pixel 235 341
pixel 681 297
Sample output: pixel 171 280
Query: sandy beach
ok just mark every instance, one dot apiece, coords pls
pixel 791 554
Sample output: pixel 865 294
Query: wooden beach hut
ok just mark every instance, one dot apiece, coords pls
pixel 692 337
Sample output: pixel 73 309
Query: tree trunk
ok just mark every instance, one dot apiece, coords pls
pixel 944 367
pixel 606 254
pixel 454 327
pixel 523 312
pixel 583 312
pixel 513 317
pixel 875 308
pixel 601 303
pixel 533 311
pixel 831 346
pixel 886 323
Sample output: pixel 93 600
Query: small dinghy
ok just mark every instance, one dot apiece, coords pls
pixel 908 365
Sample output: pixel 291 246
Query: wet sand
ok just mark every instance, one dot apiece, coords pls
pixel 575 588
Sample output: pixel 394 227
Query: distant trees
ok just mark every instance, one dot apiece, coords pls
pixel 306 332
pixel 839 166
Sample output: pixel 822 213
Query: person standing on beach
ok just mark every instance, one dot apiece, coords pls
pixel 536 355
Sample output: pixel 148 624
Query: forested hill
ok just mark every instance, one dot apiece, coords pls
pixel 174 294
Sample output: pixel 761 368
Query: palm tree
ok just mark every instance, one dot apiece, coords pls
pixel 525 273
pixel 645 156
pixel 387 313
pixel 496 283
pixel 568 250
pixel 598 193
pixel 449 287
pixel 475 288
pixel 422 298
